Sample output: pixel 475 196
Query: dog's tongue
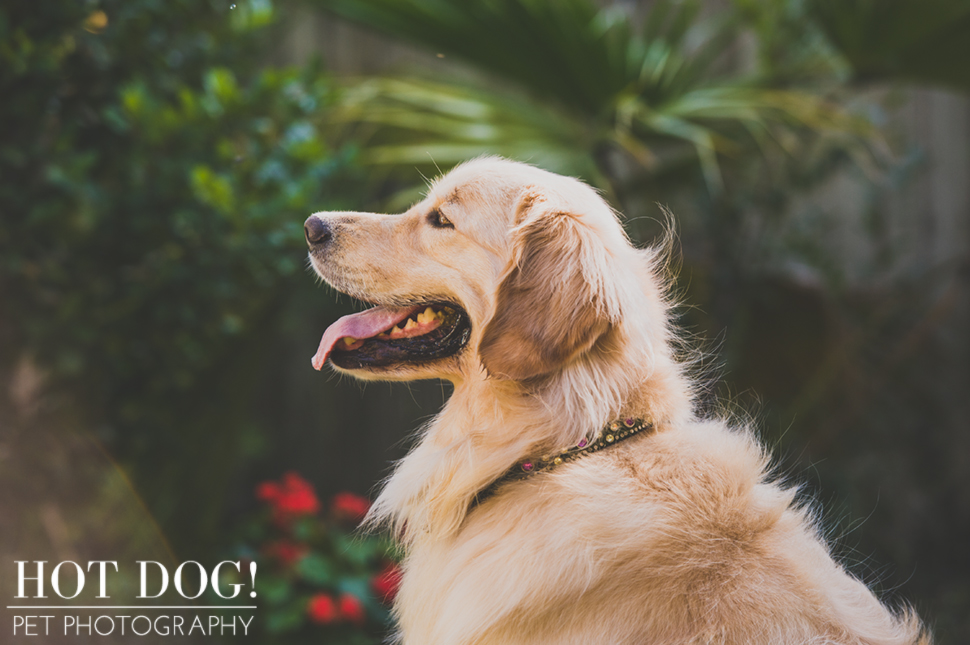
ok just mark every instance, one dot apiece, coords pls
pixel 363 325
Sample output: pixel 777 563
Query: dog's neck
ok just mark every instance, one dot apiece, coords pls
pixel 489 424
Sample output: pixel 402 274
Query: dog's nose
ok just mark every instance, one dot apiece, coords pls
pixel 317 231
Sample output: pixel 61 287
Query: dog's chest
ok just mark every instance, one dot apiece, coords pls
pixel 523 570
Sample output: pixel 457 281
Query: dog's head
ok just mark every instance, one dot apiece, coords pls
pixel 502 265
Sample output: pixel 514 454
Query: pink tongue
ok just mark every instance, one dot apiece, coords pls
pixel 363 325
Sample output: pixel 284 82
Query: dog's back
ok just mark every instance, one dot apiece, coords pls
pixel 676 537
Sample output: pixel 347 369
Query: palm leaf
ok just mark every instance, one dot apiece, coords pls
pixel 578 80
pixel 415 122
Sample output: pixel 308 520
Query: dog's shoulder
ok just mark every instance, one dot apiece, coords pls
pixel 698 474
pixel 708 471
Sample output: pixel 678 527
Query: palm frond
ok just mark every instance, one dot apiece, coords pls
pixel 419 123
pixel 578 80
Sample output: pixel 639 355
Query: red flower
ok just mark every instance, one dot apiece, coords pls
pixel 351 608
pixel 348 506
pixel 321 609
pixel 298 497
pixel 290 499
pixel 386 583
pixel 286 551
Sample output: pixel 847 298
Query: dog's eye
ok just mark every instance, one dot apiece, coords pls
pixel 436 219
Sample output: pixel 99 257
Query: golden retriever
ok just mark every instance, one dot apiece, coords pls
pixel 529 511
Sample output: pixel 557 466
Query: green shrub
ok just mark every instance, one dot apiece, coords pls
pixel 153 185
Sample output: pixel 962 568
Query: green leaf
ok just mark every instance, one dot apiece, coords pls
pixel 316 569
pixel 212 189
pixel 220 83
pixel 272 590
pixel 286 619
pixel 250 15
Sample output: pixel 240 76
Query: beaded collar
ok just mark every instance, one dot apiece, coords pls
pixel 612 434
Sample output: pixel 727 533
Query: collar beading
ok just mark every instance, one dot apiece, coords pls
pixel 612 434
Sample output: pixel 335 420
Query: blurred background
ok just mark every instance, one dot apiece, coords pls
pixel 157 317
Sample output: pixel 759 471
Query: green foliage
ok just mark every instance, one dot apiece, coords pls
pixel 791 48
pixel 408 122
pixel 154 185
pixel 864 41
pixel 913 40
pixel 579 85
pixel 574 54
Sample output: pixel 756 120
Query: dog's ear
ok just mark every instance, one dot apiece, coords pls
pixel 553 302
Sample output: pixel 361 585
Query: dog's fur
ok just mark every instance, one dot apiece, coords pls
pixel 674 536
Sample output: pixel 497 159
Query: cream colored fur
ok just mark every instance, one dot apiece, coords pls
pixel 678 536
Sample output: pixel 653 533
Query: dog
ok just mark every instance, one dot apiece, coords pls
pixel 568 492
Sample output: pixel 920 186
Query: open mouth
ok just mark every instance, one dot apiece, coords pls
pixel 383 336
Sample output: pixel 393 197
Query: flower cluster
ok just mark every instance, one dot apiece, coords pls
pixel 291 498
pixel 318 574
pixel 323 610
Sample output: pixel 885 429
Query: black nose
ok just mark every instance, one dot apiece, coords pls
pixel 317 231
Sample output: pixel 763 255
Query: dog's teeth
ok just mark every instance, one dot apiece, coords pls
pixel 427 316
pixel 410 324
pixel 350 340
pixel 395 328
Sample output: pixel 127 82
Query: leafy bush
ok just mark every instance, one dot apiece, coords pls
pixel 154 185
